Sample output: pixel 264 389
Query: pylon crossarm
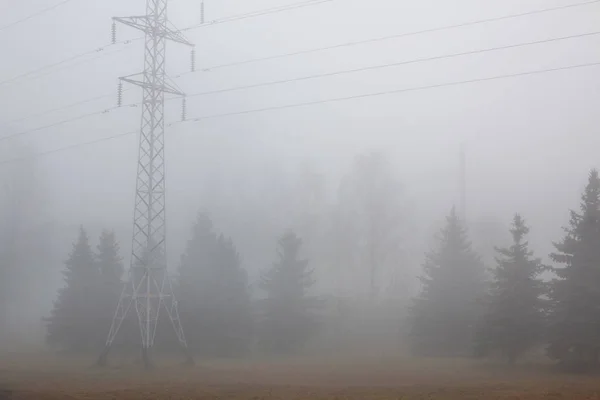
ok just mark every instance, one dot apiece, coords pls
pixel 165 88
pixel 145 24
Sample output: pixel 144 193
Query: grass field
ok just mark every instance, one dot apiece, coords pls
pixel 40 377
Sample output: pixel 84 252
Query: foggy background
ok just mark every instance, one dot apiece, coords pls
pixel 529 140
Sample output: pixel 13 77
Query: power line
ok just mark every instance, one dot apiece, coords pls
pixel 389 92
pixel 78 63
pixel 27 18
pixel 70 147
pixel 394 64
pixel 396 36
pixel 301 52
pixel 305 104
pixel 62 122
pixel 297 79
pixel 56 109
pixel 316 76
pixel 129 41
pixel 66 60
pixel 258 13
pixel 66 107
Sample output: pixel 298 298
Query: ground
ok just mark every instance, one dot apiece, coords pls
pixel 41 377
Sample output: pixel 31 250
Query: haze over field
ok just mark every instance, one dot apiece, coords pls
pixel 322 138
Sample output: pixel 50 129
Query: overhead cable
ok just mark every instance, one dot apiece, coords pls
pixel 62 122
pixel 311 103
pixel 396 36
pixel 315 76
pixel 37 13
pixel 390 92
pixel 252 14
pixel 394 64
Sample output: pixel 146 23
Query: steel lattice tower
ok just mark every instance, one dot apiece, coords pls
pixel 148 287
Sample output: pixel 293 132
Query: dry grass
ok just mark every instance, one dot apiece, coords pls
pixel 40 377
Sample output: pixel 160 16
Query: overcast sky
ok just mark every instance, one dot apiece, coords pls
pixel 530 140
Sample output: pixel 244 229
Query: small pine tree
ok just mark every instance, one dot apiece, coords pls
pixel 574 327
pixel 214 295
pixel 289 318
pixel 514 316
pixel 72 324
pixel 446 311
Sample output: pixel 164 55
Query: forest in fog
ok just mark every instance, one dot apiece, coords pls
pixel 300 274
pixel 299 199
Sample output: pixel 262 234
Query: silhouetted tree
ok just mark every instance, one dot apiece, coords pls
pixel 514 317
pixel 288 319
pixel 370 224
pixel 110 262
pixel 446 311
pixel 110 268
pixel 72 324
pixel 213 294
pixel 574 327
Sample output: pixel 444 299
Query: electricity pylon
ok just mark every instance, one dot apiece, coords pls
pixel 148 287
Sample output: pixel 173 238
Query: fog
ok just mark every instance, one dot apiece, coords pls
pixel 529 141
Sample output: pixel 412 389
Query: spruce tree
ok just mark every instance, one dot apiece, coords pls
pixel 514 315
pixel 446 311
pixel 214 294
pixel 72 324
pixel 110 285
pixel 289 318
pixel 110 262
pixel 574 326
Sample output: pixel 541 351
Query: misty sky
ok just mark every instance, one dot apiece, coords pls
pixel 530 140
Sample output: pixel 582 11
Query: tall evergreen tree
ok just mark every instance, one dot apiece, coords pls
pixel 289 318
pixel 574 328
pixel 110 285
pixel 214 294
pixel 447 309
pixel 110 262
pixel 514 316
pixel 72 324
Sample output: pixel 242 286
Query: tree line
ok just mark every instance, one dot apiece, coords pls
pixel 462 312
pixel 462 309
pixel 220 316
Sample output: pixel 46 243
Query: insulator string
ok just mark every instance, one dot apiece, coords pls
pixel 183 109
pixel 193 60
pixel 114 32
pixel 120 94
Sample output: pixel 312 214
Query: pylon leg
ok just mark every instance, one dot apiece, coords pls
pixel 172 307
pixel 103 359
pixel 120 313
pixel 147 358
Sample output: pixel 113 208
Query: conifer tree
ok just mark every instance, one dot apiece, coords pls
pixel 110 262
pixel 445 312
pixel 214 294
pixel 110 285
pixel 514 315
pixel 72 324
pixel 574 326
pixel 289 318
